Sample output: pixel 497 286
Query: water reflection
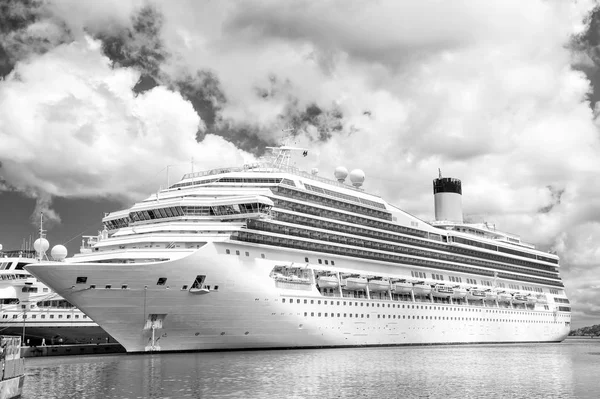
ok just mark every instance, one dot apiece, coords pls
pixel 562 370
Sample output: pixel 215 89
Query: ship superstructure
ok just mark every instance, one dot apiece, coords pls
pixel 268 256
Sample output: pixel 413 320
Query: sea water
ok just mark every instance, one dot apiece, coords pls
pixel 570 369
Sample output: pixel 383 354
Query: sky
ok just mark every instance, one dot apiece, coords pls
pixel 104 102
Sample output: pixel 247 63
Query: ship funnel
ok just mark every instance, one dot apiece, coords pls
pixel 447 194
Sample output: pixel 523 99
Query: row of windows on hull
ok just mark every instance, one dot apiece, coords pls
pixel 417 317
pixel 43 316
pixel 359 231
pixel 6 266
pixel 358 220
pixel 420 308
pixel 59 304
pixel 179 211
pixel 198 283
pixel 335 238
pixel 258 238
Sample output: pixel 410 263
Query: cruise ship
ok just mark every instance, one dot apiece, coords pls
pixel 267 256
pixel 38 315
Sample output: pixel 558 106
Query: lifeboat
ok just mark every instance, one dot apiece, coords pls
pixel 518 298
pixel 475 295
pixel 459 293
pixel 504 297
pixel 491 295
pixel 442 291
pixel 422 288
pixel 542 298
pixel 377 285
pixel 355 283
pixel 531 299
pixel 326 281
pixel 402 287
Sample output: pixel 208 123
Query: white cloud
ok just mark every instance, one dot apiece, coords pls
pixel 72 127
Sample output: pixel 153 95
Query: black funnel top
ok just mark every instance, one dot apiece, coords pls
pixel 447 185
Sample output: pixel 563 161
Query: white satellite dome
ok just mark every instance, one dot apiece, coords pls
pixel 341 173
pixel 59 252
pixel 357 177
pixel 41 245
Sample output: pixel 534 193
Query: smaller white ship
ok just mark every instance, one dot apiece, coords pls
pixel 32 311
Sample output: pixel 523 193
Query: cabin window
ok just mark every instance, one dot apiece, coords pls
pixel 262 256
pixel 108 287
pixel 216 287
pixel 93 286
pixel 227 251
pixel 326 262
pixel 21 265
pixel 124 287
pixel 81 280
pixel 332 263
pixel 247 253
pixel 161 281
pixel 184 287
pixel 199 281
pixel 306 260
pixel 320 261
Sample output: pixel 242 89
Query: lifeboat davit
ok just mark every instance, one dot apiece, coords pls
pixel 442 291
pixel 355 283
pixel 402 287
pixel 459 293
pixel 378 285
pixel 475 295
pixel 325 281
pixel 422 289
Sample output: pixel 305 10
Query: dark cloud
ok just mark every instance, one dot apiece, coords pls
pixel 18 41
pixel 325 122
pixel 204 91
pixel 139 46
pixel 587 47
pixel 556 196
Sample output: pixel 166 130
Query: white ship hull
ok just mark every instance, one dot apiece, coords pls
pixel 252 310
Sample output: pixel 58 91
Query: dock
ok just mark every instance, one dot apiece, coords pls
pixel 70 350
